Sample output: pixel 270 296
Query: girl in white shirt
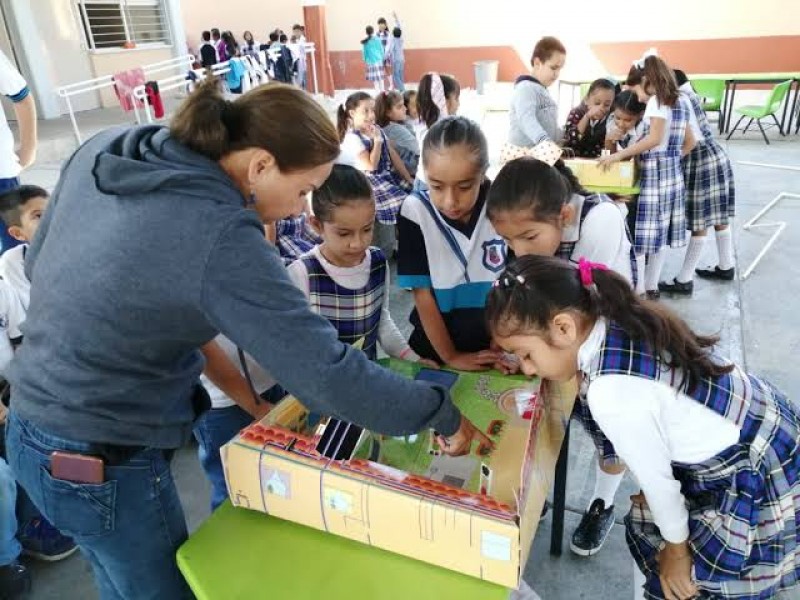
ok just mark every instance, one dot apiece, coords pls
pixel 715 450
pixel 344 279
pixel 661 210
pixel 539 209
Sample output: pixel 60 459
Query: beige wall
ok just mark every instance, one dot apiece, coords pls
pixel 108 63
pixel 516 23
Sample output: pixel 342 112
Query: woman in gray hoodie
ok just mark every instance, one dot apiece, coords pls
pixel 152 245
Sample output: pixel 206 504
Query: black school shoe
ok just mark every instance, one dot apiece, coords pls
pixel 15 580
pixel 717 273
pixel 593 530
pixel 681 288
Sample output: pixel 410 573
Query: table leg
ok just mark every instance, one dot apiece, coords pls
pixel 723 110
pixel 782 124
pixel 728 112
pixel 560 496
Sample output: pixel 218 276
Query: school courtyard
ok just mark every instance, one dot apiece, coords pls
pixel 757 319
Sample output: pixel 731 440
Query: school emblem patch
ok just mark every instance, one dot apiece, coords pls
pixel 494 255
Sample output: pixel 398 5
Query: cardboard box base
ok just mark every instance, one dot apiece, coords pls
pixel 272 469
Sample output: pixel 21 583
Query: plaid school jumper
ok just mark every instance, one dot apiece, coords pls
pixel 710 193
pixel 355 314
pixel 389 188
pixel 743 502
pixel 294 237
pixel 661 211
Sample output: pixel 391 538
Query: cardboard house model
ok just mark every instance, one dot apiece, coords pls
pixel 476 514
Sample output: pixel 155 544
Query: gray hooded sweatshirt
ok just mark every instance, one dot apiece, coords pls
pixel 146 253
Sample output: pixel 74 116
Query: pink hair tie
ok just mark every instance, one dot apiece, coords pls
pixel 585 269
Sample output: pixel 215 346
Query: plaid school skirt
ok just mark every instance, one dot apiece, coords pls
pixel 743 511
pixel 390 190
pixel 375 72
pixel 661 211
pixel 710 194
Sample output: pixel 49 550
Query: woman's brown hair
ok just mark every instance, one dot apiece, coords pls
pixel 281 119
pixel 383 106
pixel 534 289
pixel 657 74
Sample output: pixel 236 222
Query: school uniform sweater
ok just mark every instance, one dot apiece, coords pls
pixel 534 114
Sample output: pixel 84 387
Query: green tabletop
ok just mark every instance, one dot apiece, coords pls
pixel 239 553
pixel 607 189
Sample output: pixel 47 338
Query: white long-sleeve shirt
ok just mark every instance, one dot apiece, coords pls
pixel 389 336
pixel 651 425
pixel 601 238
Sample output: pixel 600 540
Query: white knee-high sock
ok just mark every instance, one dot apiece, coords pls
pixel 692 258
pixel 652 272
pixel 605 486
pixel 725 248
pixel 638 582
pixel 640 262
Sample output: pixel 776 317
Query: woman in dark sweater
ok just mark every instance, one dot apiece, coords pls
pixel 152 245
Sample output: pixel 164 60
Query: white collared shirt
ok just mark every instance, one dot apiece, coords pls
pixel 651 425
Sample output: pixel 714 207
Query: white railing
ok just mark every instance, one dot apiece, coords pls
pixel 107 82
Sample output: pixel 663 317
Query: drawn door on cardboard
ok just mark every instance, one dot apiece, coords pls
pixel 345 508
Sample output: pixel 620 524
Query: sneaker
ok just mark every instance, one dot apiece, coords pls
pixel 593 530
pixel 15 580
pixel 41 540
pixel 681 288
pixel 717 273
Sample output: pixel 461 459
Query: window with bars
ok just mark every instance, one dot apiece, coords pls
pixel 123 23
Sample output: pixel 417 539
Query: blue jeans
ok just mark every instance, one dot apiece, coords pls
pixel 6 241
pixel 9 546
pixel 214 429
pixel 128 527
pixel 398 75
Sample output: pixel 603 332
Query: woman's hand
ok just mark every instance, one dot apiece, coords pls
pixel 461 441
pixel 675 572
pixel 430 364
pixel 474 361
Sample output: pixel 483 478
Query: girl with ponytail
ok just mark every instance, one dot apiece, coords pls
pixel 716 450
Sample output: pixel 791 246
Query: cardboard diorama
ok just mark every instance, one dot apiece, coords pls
pixel 588 171
pixel 476 514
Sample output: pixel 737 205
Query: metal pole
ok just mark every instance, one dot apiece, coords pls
pixel 74 121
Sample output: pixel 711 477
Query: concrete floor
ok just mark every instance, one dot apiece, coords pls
pixel 757 320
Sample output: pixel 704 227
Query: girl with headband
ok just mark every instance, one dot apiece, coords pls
pixel 715 450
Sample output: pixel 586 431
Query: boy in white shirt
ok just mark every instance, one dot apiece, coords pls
pixel 13 85
pixel 21 210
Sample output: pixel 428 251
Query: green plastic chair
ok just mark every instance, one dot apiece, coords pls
pixel 584 89
pixel 711 91
pixel 757 113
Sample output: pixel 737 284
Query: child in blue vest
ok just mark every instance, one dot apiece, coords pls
pixel 715 450
pixel 344 278
pixel 543 210
pixel 661 209
pixel 448 252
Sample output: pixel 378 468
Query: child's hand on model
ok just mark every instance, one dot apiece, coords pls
pixel 461 441
pixel 507 365
pixel 605 162
pixel 474 361
pixel 675 571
